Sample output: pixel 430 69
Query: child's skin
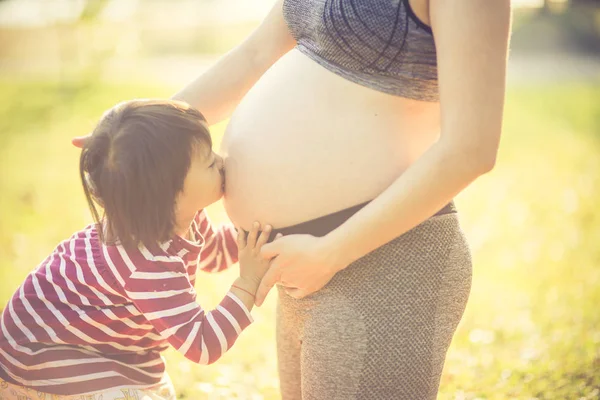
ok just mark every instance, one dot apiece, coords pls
pixel 204 185
pixel 143 278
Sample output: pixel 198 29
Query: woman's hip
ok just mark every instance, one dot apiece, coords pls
pixel 424 270
pixel 381 327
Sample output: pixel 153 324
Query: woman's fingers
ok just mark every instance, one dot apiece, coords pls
pixel 271 250
pixel 266 284
pixel 294 292
pixel 79 141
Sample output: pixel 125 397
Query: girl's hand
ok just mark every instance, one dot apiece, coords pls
pixel 252 265
pixel 301 263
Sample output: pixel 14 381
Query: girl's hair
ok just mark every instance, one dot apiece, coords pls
pixel 134 165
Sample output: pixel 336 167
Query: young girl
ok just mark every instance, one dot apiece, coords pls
pixel 91 321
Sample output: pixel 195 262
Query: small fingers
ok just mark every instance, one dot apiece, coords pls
pixel 241 238
pixel 251 240
pixel 264 237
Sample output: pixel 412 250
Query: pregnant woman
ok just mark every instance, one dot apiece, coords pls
pixel 354 123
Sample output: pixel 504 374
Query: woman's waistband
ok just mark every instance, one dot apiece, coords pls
pixel 323 225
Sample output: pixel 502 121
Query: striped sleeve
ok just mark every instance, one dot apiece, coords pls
pixel 220 246
pixel 162 291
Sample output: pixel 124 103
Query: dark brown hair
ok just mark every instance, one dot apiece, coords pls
pixel 134 165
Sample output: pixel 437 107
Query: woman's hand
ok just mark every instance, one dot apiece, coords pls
pixel 79 141
pixel 301 263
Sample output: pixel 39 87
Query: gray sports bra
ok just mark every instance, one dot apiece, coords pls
pixel 380 44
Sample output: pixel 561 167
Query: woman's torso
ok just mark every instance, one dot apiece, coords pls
pixel 305 142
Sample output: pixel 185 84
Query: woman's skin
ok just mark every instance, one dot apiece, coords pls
pixel 304 142
pixel 317 143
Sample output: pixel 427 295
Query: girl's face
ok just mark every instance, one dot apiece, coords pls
pixel 203 185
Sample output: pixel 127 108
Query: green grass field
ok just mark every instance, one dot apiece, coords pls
pixel 532 326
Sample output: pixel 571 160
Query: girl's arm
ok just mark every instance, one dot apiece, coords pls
pixel 472 43
pixel 160 288
pixel 217 92
pixel 220 249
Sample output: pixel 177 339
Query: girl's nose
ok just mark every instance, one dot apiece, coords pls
pixel 219 161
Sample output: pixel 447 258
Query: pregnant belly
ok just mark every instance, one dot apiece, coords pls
pixel 305 143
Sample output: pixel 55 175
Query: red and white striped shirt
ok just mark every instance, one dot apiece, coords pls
pixel 93 317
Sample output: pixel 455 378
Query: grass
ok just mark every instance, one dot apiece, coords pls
pixel 532 326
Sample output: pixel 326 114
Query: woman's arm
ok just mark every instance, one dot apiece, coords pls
pixel 218 91
pixel 472 43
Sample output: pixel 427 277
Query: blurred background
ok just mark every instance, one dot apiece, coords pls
pixel 532 326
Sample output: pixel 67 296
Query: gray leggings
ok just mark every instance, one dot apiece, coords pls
pixel 380 329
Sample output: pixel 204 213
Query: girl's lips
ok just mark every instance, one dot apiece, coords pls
pixel 223 180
